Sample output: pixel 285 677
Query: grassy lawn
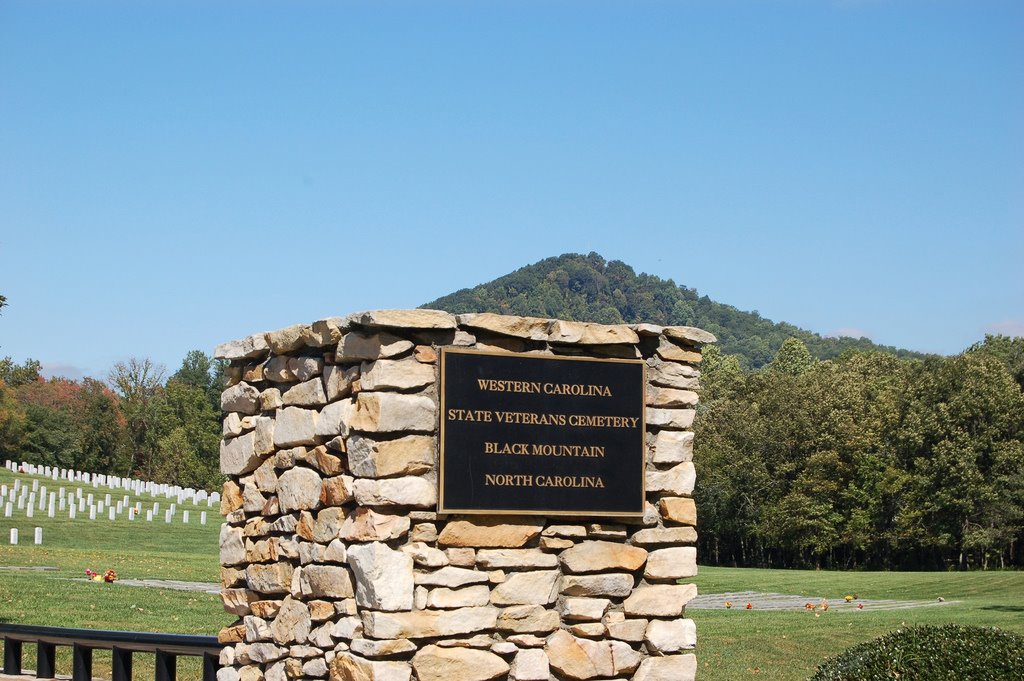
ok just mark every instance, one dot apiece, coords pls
pixel 134 549
pixel 742 644
pixel 732 644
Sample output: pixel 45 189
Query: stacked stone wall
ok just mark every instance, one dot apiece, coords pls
pixel 338 566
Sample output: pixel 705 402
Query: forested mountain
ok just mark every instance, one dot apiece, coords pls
pixel 588 288
pixel 819 452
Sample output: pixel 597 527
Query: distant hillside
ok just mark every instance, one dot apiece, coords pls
pixel 588 288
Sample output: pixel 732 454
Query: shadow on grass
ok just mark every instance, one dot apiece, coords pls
pixel 1003 608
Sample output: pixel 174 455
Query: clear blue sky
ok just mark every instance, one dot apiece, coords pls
pixel 175 175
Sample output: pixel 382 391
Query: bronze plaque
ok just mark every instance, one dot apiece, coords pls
pixel 534 434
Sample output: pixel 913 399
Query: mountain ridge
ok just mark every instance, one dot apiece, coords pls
pixel 589 288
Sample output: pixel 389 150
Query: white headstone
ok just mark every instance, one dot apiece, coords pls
pixel 14 535
pixel 92 513
pixel 111 515
pixel 131 513
pixel 149 516
pixel 7 510
pixel 167 516
pixel 202 518
pixel 29 510
pixel 51 510
pixel 184 517
pixel 71 511
pixel 38 536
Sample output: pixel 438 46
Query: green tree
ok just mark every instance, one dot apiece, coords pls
pixel 138 384
pixel 793 358
pixel 102 430
pixel 189 441
pixel 16 375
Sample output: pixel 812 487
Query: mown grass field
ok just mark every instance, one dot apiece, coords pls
pixel 752 644
pixel 732 644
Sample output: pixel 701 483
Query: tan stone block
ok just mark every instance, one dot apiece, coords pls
pixel 326 581
pixel 672 563
pixel 274 578
pixel 670 352
pixel 670 636
pixel 681 510
pixel 337 490
pixel 617 585
pixel 598 556
pixel 489 559
pixel 669 668
pixel 538 587
pixel 307 394
pixel 348 667
pixel 588 630
pixel 288 339
pixel 677 480
pixel 585 333
pixel 450 576
pixel 673 446
pixel 434 663
pixel 374 649
pixel 246 348
pixel 530 665
pixel 689 334
pixel 461 556
pixel 628 630
pixel 402 374
pixel 671 419
pixel 410 455
pixel 673 375
pixel 429 623
pixel 584 609
pixel 530 328
pixel 528 619
pixel 555 544
pixel 230 498
pixel 470 596
pixel 328 331
pixel 578 658
pixel 659 600
pixel 670 397
pixel 484 532
pixel 406 319
pixel 393 412
pixel 365 525
pixel 665 535
pixel 238 601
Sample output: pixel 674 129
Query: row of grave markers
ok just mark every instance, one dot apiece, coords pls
pixel 182 494
pixel 30 497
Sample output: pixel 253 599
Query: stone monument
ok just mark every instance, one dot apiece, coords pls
pixel 419 495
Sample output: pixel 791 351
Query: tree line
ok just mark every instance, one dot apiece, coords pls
pixel 865 460
pixel 138 422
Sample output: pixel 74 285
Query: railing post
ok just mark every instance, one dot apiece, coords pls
pixel 12 656
pixel 46 660
pixel 211 663
pixel 166 666
pixel 122 664
pixel 81 663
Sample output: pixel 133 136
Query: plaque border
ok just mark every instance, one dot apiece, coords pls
pixel 441 509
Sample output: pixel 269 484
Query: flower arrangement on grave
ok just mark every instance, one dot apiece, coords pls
pixel 108 576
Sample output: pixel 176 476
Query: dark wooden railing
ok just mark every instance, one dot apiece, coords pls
pixel 122 644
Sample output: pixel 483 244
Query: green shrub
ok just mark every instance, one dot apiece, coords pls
pixel 930 653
